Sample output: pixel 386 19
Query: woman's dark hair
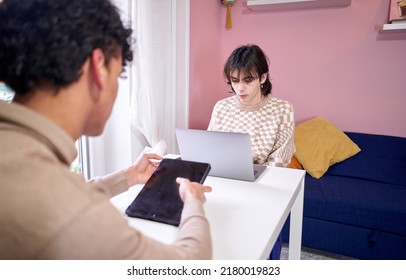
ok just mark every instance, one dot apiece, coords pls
pixel 249 60
pixel 46 42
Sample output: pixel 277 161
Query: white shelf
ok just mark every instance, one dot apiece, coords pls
pixel 394 28
pixel 278 5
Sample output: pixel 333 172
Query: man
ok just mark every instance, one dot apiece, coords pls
pixel 62 59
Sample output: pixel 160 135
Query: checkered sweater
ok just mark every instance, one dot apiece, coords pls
pixel 271 126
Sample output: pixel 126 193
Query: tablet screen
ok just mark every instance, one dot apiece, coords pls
pixel 159 199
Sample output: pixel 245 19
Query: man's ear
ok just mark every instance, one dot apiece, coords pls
pixel 97 64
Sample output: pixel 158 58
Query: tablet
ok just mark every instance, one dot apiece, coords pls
pixel 159 199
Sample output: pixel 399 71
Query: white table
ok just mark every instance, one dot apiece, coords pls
pixel 245 217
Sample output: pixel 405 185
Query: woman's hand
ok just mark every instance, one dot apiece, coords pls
pixel 142 169
pixel 189 189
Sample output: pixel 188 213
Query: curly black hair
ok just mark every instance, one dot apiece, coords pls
pixel 46 42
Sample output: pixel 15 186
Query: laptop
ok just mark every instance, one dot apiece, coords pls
pixel 229 153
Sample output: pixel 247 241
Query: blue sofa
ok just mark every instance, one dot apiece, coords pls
pixel 358 207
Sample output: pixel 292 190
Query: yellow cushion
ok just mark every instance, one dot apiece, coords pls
pixel 320 144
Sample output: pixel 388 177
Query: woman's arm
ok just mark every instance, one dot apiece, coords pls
pixel 284 147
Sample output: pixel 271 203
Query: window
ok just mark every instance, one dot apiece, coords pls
pixel 6 94
pixel 81 164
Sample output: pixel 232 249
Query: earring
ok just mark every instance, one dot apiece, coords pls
pixel 262 86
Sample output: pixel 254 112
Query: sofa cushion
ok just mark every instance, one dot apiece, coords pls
pixel 382 159
pixel 357 202
pixel 295 164
pixel 320 144
pixel 353 241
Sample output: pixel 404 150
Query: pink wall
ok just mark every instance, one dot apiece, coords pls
pixel 328 62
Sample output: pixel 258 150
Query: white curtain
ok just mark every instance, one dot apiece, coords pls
pixel 152 95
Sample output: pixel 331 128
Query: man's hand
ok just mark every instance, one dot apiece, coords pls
pixel 189 189
pixel 142 169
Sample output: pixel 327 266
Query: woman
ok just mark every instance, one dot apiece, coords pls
pixel 252 109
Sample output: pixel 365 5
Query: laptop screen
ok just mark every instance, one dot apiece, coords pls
pixel 229 153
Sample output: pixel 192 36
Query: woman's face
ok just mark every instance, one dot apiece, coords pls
pixel 247 87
